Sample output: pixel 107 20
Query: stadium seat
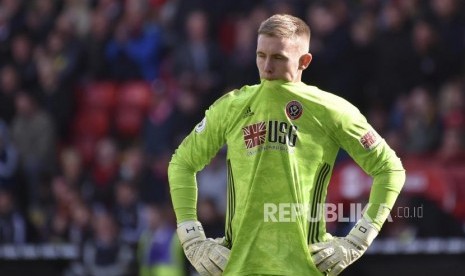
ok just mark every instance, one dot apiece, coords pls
pixel 136 94
pixel 101 95
pixel 92 122
pixel 128 121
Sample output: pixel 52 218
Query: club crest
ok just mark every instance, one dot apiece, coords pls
pixel 294 110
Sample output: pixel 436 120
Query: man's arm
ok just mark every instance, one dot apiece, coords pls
pixel 197 149
pixel 378 160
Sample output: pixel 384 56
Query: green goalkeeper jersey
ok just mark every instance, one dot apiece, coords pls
pixel 282 140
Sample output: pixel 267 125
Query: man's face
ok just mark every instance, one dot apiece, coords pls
pixel 281 58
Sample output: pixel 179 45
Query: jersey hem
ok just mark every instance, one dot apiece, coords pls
pixel 268 272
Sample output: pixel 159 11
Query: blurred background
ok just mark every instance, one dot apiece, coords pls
pixel 95 95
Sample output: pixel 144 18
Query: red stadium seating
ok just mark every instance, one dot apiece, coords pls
pixel 128 121
pixel 101 95
pixel 134 101
pixel 91 122
pixel 108 106
pixel 135 94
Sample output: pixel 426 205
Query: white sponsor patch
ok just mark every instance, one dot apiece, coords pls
pixel 201 126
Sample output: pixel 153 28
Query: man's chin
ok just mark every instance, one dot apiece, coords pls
pixel 269 78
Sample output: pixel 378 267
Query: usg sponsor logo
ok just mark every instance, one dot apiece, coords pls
pixel 272 131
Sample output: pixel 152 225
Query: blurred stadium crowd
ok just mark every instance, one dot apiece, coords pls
pixel 96 94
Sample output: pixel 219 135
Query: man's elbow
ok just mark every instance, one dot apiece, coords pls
pixel 179 166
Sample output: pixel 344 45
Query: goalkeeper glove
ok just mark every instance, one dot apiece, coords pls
pixel 333 256
pixel 206 256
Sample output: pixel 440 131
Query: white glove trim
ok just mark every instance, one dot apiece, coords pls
pixel 190 232
pixel 363 232
pixel 333 256
pixel 205 255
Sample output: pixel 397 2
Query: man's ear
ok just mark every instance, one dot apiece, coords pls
pixel 305 61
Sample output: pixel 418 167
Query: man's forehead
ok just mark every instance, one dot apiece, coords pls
pixel 273 42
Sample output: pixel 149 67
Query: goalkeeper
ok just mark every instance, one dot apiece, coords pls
pixel 282 137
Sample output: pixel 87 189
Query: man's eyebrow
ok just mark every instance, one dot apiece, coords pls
pixel 281 55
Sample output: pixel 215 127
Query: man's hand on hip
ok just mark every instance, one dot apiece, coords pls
pixel 207 256
pixel 333 256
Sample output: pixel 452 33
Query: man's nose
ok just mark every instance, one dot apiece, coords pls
pixel 268 65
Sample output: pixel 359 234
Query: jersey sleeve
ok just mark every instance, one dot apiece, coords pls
pixel 196 151
pixel 376 158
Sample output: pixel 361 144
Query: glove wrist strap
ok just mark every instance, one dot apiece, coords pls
pixel 364 232
pixel 190 232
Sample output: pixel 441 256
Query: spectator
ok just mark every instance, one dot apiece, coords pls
pixel 160 123
pixel 134 50
pixel 12 223
pixel 128 213
pixel 34 136
pixel 363 54
pixel 66 47
pixel 422 123
pixel 432 65
pixel 331 48
pixel 104 172
pixel 242 60
pixel 154 188
pixel 22 60
pixel 197 63
pixel 452 149
pixel 11 22
pixel 186 111
pixel 9 87
pixel 451 103
pixel 39 18
pixel 132 165
pixel 59 212
pixel 392 72
pixel 95 66
pixel 79 14
pixel 105 255
pixel 8 159
pixel 55 98
pixel 159 251
pixel 80 227
pixel 75 174
pixel 451 26
pixel 135 169
pixel 452 111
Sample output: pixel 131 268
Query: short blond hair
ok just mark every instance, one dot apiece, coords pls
pixel 285 26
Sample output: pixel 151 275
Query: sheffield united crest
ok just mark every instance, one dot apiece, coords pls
pixel 294 110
